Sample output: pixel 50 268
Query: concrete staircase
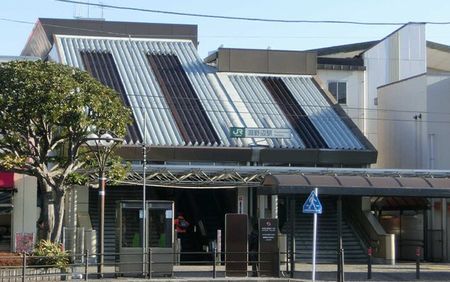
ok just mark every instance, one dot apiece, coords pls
pixel 112 197
pixel 326 249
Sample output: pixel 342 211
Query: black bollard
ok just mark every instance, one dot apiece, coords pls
pixel 24 266
pixel 214 253
pixel 150 262
pixel 418 263
pixel 86 265
pixel 369 263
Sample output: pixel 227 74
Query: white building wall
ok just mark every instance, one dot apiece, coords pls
pixel 402 137
pixel 399 56
pixel 355 91
pixel 420 143
pixel 438 120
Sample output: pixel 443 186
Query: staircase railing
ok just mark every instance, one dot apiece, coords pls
pixel 361 226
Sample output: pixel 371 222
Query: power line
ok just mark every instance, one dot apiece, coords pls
pixel 243 18
pixel 152 96
pixel 258 102
pixel 15 21
pixel 274 36
pixel 281 115
pixel 120 34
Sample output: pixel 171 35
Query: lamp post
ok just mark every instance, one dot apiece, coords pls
pixel 101 145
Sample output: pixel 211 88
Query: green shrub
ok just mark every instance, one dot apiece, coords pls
pixel 49 254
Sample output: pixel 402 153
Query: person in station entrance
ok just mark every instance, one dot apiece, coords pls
pixel 181 227
pixel 181 224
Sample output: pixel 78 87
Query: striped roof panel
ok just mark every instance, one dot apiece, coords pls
pixel 225 100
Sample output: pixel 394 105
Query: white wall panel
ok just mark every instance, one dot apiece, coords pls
pixel 402 137
pixel 399 56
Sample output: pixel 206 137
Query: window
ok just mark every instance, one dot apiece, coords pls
pixel 131 228
pixel 339 91
pixel 160 227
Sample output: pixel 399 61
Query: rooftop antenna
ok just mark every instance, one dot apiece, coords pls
pixel 88 8
pixel 101 9
pixel 76 10
pixel 81 13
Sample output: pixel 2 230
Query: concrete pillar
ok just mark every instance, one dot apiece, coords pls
pixel 242 201
pixel 88 236
pixel 262 206
pixel 274 206
pixel 25 212
pixel 437 234
pixel 365 204
pixel 69 235
pixel 390 248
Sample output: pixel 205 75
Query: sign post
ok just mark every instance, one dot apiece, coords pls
pixel 269 251
pixel 313 205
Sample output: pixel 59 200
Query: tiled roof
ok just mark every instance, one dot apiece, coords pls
pixel 185 102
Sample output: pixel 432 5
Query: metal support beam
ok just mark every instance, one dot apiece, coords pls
pixel 292 246
pixel 101 228
pixel 444 229
pixel 340 251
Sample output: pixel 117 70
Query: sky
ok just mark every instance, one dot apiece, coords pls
pixel 17 18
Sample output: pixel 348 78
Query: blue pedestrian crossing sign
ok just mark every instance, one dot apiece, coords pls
pixel 312 204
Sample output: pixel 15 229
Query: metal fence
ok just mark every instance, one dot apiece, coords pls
pixel 145 265
pixel 84 266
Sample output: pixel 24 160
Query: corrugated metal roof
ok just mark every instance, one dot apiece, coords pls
pixel 4 59
pixel 261 110
pixel 229 100
pixel 264 109
pixel 142 87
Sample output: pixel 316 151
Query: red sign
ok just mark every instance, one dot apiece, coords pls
pixel 24 242
pixel 6 180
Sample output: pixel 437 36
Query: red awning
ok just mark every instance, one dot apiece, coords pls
pixel 6 180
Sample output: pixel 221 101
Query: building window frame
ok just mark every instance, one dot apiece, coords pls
pixel 336 90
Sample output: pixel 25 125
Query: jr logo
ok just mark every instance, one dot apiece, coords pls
pixel 237 132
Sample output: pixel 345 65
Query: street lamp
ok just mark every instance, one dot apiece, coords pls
pixel 101 145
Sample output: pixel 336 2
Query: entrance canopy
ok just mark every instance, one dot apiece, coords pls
pixel 357 185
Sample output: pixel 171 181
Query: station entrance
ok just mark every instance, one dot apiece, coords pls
pixel 204 209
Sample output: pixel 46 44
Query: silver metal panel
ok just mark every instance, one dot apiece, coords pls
pixel 146 98
pixel 325 119
pixel 264 111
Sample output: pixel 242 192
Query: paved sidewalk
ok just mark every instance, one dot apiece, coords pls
pixel 324 272
pixel 397 272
